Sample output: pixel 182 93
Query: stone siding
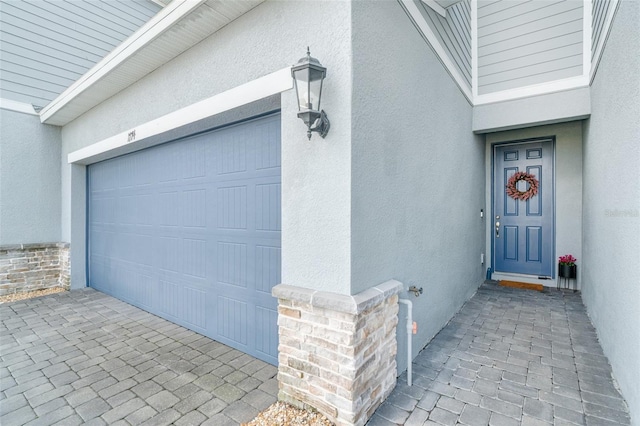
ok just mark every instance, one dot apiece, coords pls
pixel 337 353
pixel 28 267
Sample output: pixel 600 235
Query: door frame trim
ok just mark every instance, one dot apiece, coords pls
pixel 552 139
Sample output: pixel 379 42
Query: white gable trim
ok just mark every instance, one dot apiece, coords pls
pixel 164 20
pixel 252 91
pixel 16 106
pixel 441 53
pixel 435 6
pixel 597 55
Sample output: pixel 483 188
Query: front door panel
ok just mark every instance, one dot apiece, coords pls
pixel 523 230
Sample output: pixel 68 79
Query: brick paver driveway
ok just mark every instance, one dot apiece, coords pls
pixel 83 357
pixel 510 357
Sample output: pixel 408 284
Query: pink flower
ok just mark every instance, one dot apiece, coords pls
pixel 567 259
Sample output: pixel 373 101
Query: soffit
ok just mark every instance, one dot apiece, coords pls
pixel 178 27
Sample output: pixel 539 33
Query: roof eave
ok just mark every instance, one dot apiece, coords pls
pixel 105 78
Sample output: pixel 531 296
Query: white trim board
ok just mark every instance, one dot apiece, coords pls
pixel 441 53
pixel 11 105
pixel 271 84
pixel 435 6
pixel 533 90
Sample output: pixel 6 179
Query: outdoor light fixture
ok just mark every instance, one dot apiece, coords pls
pixel 308 75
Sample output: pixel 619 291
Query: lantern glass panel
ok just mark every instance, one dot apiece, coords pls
pixel 309 88
pixel 315 89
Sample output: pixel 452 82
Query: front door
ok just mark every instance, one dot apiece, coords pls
pixel 523 208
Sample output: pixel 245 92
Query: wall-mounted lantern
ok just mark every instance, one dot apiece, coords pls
pixel 308 75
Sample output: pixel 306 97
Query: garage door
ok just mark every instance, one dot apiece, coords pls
pixel 190 231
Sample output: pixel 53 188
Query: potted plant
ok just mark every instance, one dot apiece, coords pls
pixel 567 266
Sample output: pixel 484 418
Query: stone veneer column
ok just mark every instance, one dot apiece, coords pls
pixel 337 353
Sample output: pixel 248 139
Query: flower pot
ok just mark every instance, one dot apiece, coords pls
pixel 567 271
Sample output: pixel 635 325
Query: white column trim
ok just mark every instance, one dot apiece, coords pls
pixel 16 106
pixel 252 91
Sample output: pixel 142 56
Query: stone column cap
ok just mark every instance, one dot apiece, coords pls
pixel 339 302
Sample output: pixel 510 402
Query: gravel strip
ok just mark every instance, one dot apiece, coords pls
pixel 281 414
pixel 29 294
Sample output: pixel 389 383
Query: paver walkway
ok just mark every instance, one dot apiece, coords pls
pixel 510 357
pixel 83 357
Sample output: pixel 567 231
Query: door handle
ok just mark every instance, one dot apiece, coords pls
pixel 497 227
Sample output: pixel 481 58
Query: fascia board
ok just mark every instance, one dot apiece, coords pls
pixel 11 105
pixel 160 23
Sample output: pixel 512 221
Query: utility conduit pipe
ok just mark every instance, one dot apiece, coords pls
pixel 409 336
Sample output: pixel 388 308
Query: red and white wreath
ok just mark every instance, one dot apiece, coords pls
pixel 512 186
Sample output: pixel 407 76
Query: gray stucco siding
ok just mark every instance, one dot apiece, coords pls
pixel 315 174
pixel 611 271
pixel 417 177
pixel 29 180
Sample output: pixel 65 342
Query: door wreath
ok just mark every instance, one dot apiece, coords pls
pixel 512 186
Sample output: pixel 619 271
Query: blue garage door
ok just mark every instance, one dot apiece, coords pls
pixel 190 231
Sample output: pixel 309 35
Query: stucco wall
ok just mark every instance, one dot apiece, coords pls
pixel 568 187
pixel 611 271
pixel 315 174
pixel 417 173
pixel 29 180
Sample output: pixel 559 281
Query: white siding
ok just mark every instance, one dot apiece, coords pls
pixel 453 33
pixel 46 45
pixel 525 43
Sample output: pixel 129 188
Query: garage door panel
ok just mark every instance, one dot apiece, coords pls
pixel 266 332
pixel 267 269
pixel 190 231
pixel 232 316
pixel 231 204
pixel 232 267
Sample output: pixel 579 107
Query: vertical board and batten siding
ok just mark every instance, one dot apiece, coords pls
pixel 526 43
pixel 599 14
pixel 47 45
pixel 453 33
pixel 190 231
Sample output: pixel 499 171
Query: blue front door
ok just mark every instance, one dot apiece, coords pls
pixel 523 229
